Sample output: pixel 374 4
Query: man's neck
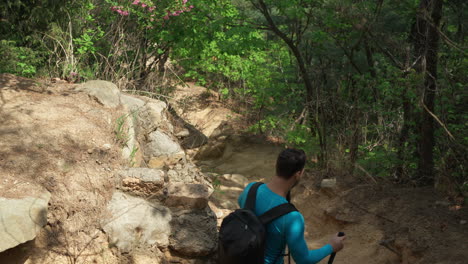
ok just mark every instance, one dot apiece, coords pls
pixel 280 185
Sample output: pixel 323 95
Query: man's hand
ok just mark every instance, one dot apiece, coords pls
pixel 337 242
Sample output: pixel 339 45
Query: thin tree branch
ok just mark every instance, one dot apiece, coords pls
pixel 438 120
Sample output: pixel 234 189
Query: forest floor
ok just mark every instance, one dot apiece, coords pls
pixel 56 137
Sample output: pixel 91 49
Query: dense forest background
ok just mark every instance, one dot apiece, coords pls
pixel 372 88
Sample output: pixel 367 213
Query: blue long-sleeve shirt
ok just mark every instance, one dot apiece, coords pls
pixel 285 230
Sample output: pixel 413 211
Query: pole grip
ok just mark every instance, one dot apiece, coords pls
pixel 332 256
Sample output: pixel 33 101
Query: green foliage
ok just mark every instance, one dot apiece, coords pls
pixel 132 156
pixel 21 61
pixel 121 130
pixel 378 161
pixel 365 85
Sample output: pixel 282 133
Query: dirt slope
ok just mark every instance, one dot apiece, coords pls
pixel 63 141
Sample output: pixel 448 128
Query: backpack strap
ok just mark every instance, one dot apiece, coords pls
pixel 276 212
pixel 252 197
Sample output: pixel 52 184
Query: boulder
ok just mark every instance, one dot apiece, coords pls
pixel 149 114
pixel 21 219
pixel 186 172
pixel 162 150
pixel 132 103
pixel 175 176
pixel 135 222
pixel 189 196
pixel 160 144
pixel 141 181
pixel 194 233
pixel 151 117
pixel 104 92
pixel 328 183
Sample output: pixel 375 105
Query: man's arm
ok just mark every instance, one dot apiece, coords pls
pixel 297 244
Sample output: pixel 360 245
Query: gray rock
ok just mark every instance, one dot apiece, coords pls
pixel 132 103
pixel 141 181
pixel 189 196
pixel 105 92
pixel 172 175
pixel 131 149
pixel 151 117
pixel 328 183
pixel 161 144
pixel 194 233
pixel 21 219
pixel 183 133
pixel 107 146
pixel 186 173
pixel 134 223
pixel 162 150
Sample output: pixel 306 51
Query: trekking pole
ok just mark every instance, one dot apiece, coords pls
pixel 332 256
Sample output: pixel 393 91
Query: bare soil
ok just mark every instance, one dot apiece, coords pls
pixel 53 138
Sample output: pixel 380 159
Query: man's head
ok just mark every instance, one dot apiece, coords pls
pixel 290 163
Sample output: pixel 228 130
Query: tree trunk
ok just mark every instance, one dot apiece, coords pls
pixel 428 21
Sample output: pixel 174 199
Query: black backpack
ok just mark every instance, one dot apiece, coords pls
pixel 242 233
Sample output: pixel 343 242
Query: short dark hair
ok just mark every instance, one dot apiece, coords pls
pixel 289 162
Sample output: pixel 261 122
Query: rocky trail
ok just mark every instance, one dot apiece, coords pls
pixel 384 224
pixel 92 175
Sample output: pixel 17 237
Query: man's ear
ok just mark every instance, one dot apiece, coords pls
pixel 298 174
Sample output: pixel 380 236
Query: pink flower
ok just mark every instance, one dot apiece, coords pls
pixel 166 17
pixel 144 5
pixel 122 13
pixel 175 14
pixel 151 8
pixel 136 2
pixel 184 1
pixel 191 6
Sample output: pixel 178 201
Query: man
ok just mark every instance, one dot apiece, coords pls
pixel 288 229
